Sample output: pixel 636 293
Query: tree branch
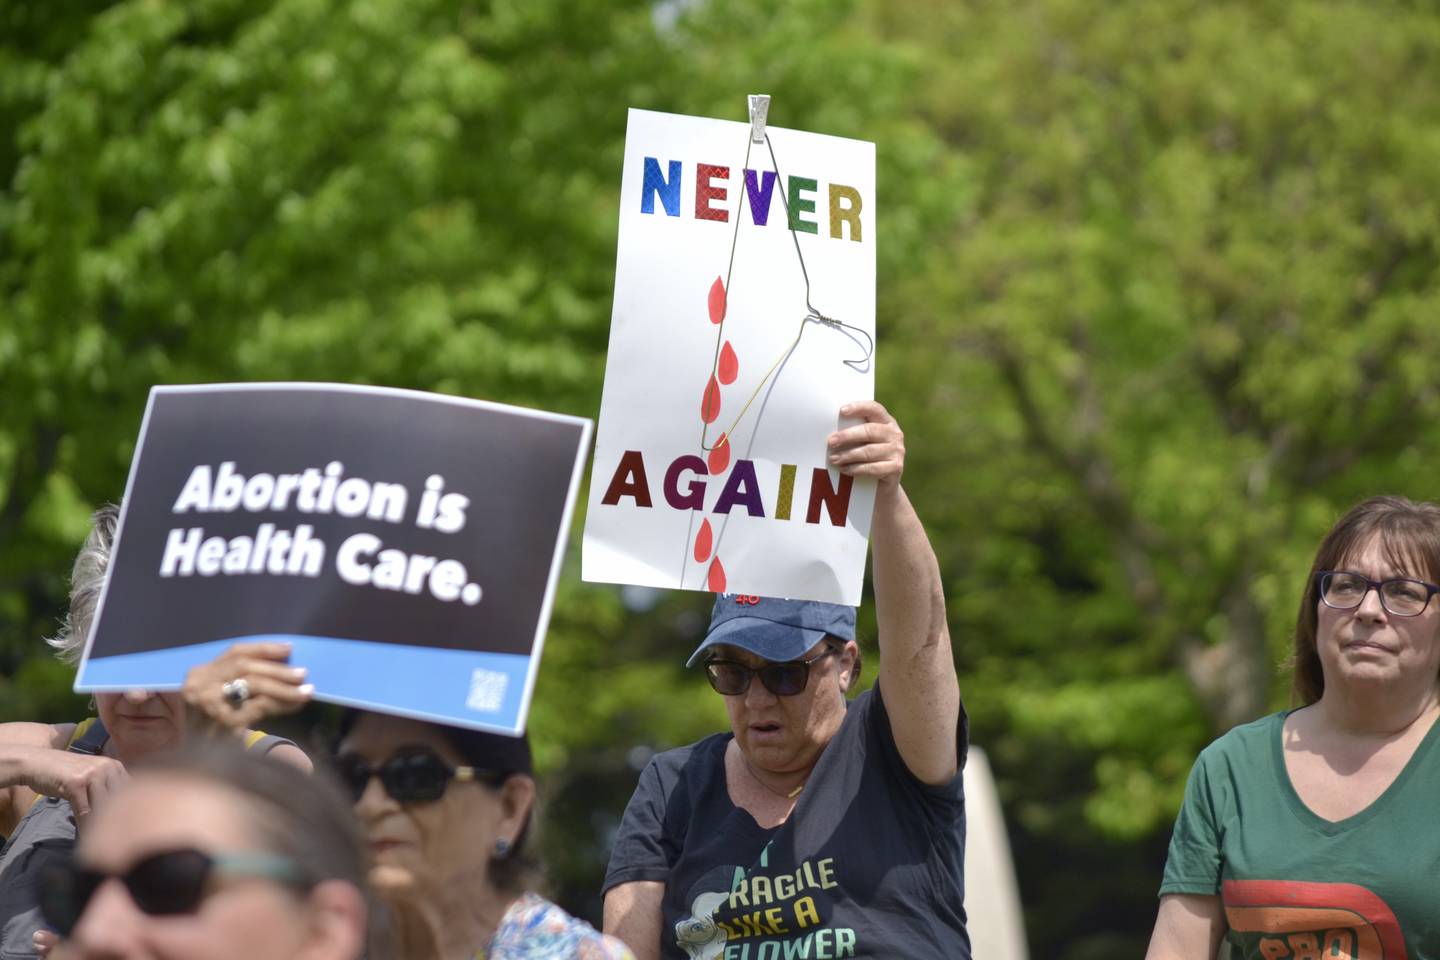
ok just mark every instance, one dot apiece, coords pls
pixel 1089 468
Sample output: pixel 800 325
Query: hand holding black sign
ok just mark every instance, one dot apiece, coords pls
pixel 272 686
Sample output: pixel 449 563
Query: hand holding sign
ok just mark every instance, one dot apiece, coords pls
pixel 874 448
pixel 272 686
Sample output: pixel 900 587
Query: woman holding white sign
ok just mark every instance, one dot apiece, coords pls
pixel 817 826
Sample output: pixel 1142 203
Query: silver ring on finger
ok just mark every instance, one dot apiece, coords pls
pixel 236 692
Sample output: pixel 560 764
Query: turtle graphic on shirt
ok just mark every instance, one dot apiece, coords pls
pixel 698 934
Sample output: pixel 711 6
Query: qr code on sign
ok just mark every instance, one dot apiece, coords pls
pixel 487 691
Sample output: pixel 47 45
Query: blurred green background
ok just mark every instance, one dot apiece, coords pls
pixel 1157 295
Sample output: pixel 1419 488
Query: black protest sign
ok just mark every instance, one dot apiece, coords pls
pixel 390 535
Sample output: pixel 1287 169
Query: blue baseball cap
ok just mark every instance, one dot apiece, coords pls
pixel 772 628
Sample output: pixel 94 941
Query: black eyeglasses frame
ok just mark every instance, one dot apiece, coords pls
pixel 1322 579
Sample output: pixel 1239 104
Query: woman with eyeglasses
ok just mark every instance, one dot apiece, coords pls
pixel 817 826
pixel 1311 832
pixel 446 812
pixel 213 855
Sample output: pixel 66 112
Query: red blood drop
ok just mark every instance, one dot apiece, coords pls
pixel 703 541
pixel 729 364
pixel 710 403
pixel 717 576
pixel 719 457
pixel 717 301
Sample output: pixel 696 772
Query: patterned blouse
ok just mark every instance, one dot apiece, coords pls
pixel 535 929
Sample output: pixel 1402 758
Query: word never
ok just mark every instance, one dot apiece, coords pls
pixel 845 202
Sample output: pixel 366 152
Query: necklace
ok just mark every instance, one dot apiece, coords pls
pixel 756 777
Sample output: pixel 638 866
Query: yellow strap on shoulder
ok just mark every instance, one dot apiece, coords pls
pixel 80 729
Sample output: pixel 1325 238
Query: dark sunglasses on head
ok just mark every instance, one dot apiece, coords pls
pixel 162 884
pixel 784 678
pixel 417 776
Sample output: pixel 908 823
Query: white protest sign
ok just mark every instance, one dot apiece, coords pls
pixel 721 383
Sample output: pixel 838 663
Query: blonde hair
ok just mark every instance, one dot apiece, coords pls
pixel 86 580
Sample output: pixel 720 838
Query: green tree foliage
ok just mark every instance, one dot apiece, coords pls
pixel 417 193
pixel 1157 297
pixel 409 193
pixel 1185 317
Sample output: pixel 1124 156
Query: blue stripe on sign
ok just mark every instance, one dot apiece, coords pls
pixel 463 687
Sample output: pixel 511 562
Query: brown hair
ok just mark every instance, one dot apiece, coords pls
pixel 1409 535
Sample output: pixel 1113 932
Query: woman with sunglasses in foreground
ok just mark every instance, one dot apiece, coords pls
pixel 1311 832
pixel 213 855
pixel 53 775
pixel 816 827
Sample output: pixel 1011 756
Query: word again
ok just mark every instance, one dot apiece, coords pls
pixel 684 489
pixel 712 187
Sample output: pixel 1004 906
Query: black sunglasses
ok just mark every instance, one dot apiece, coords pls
pixel 784 678
pixel 416 776
pixel 163 884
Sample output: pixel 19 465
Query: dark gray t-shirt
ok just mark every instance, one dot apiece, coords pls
pixel 869 865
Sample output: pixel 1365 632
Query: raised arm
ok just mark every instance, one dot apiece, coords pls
pixel 917 670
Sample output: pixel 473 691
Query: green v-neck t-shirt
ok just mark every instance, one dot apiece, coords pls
pixel 1294 885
